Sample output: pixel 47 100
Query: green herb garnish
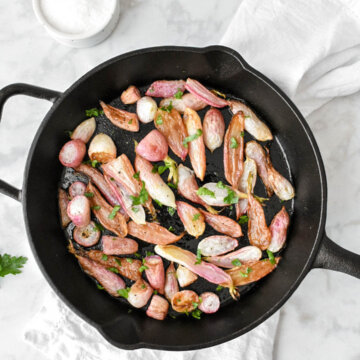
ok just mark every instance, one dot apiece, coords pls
pixel 205 191
pixel 198 257
pixel 242 134
pixel 143 286
pixel 137 255
pixel 178 95
pixel 118 261
pixel 89 194
pixel 192 137
pixel 195 304
pixel 171 228
pixel 271 257
pixel 243 219
pixel 11 264
pixel 98 227
pixel 93 112
pixel 113 269
pixel 196 314
pixel 142 198
pixel 149 253
pixel 129 260
pixel 221 185
pixel 196 217
pixel 167 108
pixel 68 132
pixel 171 210
pixel 136 175
pixel 95 163
pixel 233 143
pixel 231 198
pixel 115 209
pixel 172 185
pixel 236 262
pixel 142 268
pixel 100 287
pixel 104 257
pixel 158 202
pixel 155 292
pixel 96 207
pixel 124 292
pixel 219 288
pixel 159 120
pixel 246 273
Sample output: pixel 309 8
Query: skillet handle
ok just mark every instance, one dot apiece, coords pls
pixel 29 90
pixel 333 257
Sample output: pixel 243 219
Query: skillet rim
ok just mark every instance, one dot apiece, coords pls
pixel 320 231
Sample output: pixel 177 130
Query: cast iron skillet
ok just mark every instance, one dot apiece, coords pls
pixel 218 67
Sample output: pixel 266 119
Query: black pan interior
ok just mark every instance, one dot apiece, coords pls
pixel 217 68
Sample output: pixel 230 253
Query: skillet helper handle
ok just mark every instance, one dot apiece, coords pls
pixel 29 90
pixel 333 257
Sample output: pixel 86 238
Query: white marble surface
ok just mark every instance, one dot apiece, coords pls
pixel 321 320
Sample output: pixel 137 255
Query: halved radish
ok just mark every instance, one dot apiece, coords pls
pixel 72 153
pixel 87 235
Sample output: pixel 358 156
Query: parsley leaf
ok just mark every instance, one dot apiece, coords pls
pixel 172 185
pixel 205 191
pixel 113 269
pixel 155 292
pixel 242 134
pixel 130 122
pixel 236 262
pixel 231 198
pixel 158 202
pixel 149 253
pixel 219 288
pixel 196 314
pixel 137 255
pixel 192 137
pixel 243 219
pixel 115 209
pixel 11 264
pixel 142 198
pixel 129 260
pixel 171 228
pixel 142 268
pixel 96 207
pixel 195 304
pixel 89 194
pixel 198 257
pixel 178 95
pixel 171 210
pixel 124 292
pixel 93 112
pixel 98 227
pixel 246 273
pixel 233 143
pixel 100 287
pixel 271 257
pixel 221 185
pixel 167 108
pixel 104 257
pixel 196 217
pixel 159 120
pixel 136 175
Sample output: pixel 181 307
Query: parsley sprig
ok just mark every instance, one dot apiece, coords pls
pixel 11 264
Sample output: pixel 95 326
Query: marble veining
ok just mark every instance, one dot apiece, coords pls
pixel 320 321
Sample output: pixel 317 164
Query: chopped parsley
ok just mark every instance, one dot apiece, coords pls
pixel 159 120
pixel 178 95
pixel 246 273
pixel 115 209
pixel 142 198
pixel 196 314
pixel 155 292
pixel 242 134
pixel 233 143
pixel 98 227
pixel 172 185
pixel 89 194
pixel 130 122
pixel 198 257
pixel 136 175
pixel 192 137
pixel 118 261
pixel 129 260
pixel 104 257
pixel 205 191
pixel 167 108
pixel 171 228
pixel 143 286
pixel 243 219
pixel 142 268
pixel 171 210
pixel 271 257
pixel 137 255
pixel 221 185
pixel 93 112
pixel 158 202
pixel 195 304
pixel 231 198
pixel 149 253
pixel 135 209
pixel 124 292
pixel 113 269
pixel 96 207
pixel 95 163
pixel 236 262
pixel 219 288
pixel 100 287
pixel 196 217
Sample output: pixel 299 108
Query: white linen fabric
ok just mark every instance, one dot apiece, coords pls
pixel 311 49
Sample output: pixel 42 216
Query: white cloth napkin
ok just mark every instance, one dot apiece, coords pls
pixel 311 49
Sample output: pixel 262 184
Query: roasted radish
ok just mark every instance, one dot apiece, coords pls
pixel 158 308
pixel 185 276
pixel 78 210
pixel 140 293
pixel 118 246
pixel 131 95
pixel 63 203
pixel 87 235
pixel 171 284
pixel 153 146
pixel 183 301
pixel 72 153
pixel 210 303
pixel 191 218
pixel 187 101
pixel 77 188
pixel 278 229
pixel 154 270
pixel 102 148
pixel 84 131
pixel 146 108
pixel 217 245
pixel 165 88
pixel 214 129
